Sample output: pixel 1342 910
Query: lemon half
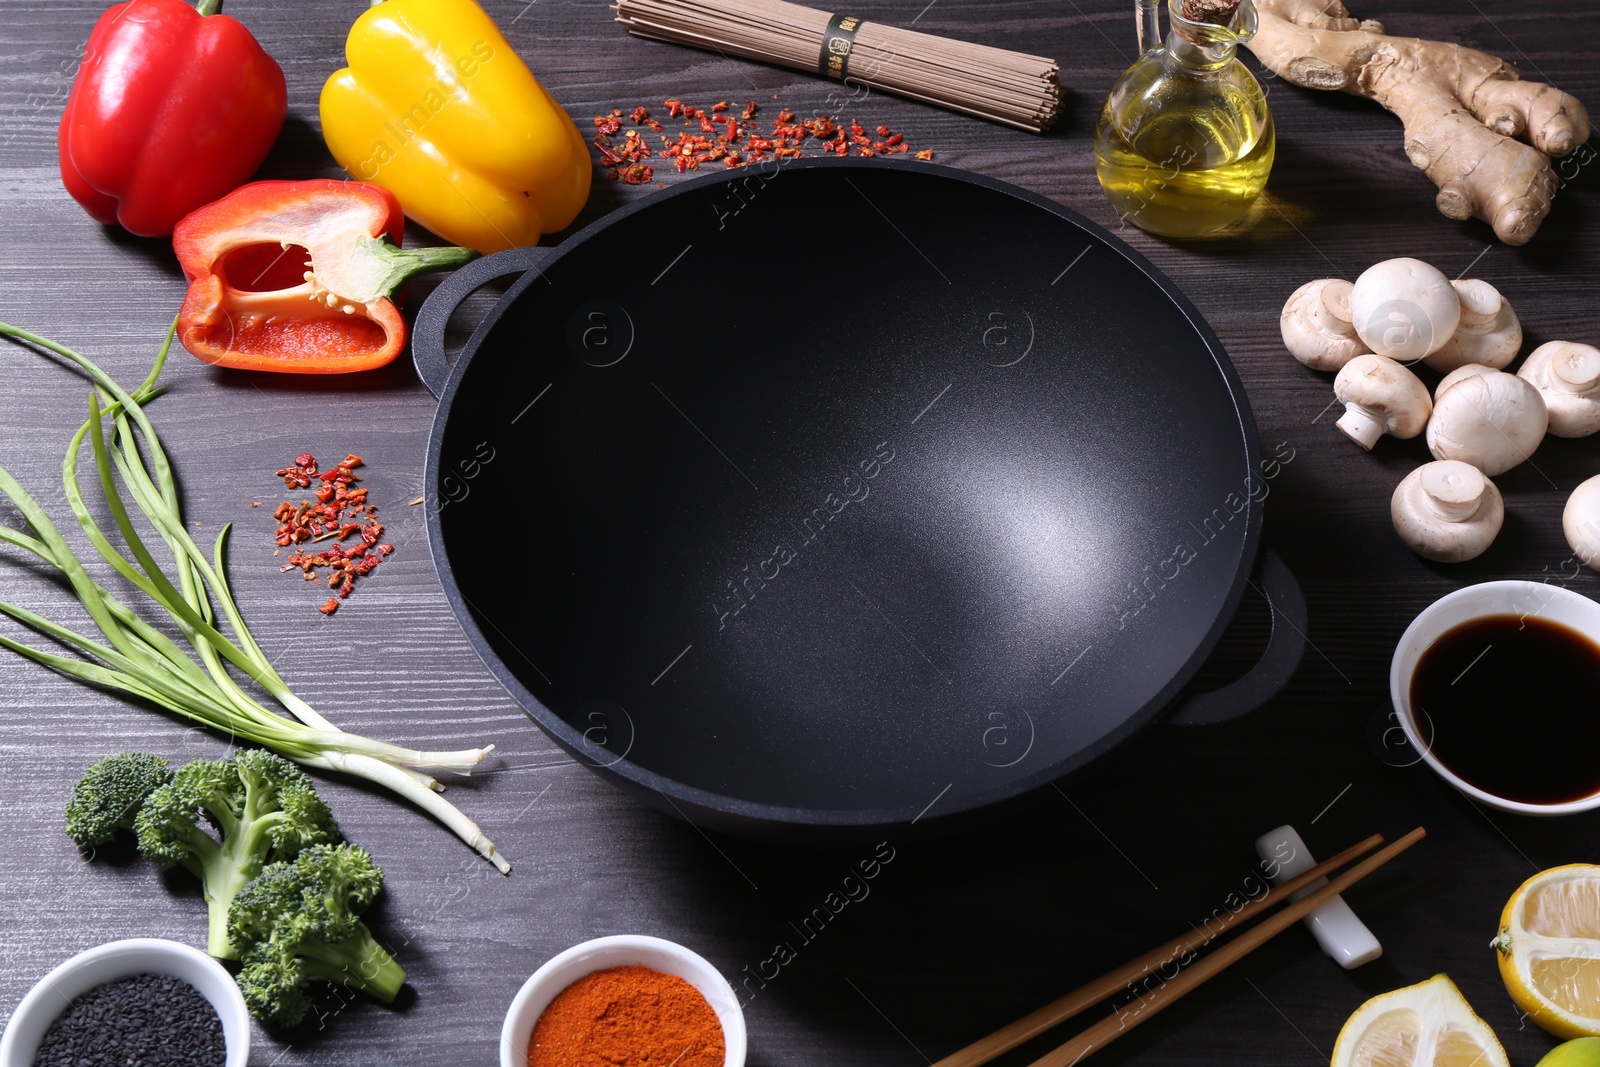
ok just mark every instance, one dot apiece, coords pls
pixel 1429 1024
pixel 1549 949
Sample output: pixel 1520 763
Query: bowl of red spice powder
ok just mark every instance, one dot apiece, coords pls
pixel 624 1001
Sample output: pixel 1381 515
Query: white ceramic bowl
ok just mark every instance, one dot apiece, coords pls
pixel 1531 599
pixel 122 959
pixel 620 951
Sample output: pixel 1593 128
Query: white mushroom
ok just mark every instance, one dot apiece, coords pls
pixel 1488 418
pixel 1490 333
pixel 1581 522
pixel 1380 396
pixel 1404 309
pixel 1316 325
pixel 1567 375
pixel 1460 374
pixel 1447 511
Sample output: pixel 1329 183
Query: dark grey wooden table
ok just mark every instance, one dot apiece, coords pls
pixel 956 936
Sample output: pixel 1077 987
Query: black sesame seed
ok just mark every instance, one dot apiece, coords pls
pixel 148 1020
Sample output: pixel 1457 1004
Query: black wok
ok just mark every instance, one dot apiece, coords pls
pixel 845 495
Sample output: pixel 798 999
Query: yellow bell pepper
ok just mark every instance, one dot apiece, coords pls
pixel 438 108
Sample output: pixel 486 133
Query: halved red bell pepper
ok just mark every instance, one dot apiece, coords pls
pixel 299 277
pixel 172 107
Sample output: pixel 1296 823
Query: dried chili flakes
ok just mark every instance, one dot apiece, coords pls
pixel 733 142
pixel 338 512
pixel 625 160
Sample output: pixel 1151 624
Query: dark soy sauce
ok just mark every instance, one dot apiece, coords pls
pixel 1512 705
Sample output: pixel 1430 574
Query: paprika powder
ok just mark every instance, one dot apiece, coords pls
pixel 628 1017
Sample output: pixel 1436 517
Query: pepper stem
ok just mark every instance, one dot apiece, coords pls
pixel 209 7
pixel 403 264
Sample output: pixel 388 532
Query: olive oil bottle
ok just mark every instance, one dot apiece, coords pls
pixel 1185 141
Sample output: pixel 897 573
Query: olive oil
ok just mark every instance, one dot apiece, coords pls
pixel 1181 176
pixel 1185 140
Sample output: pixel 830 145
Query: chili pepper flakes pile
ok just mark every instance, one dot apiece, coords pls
pixel 735 141
pixel 339 512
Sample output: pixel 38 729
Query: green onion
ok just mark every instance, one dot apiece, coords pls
pixel 141 660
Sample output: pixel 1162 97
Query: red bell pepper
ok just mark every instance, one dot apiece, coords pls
pixel 299 277
pixel 172 108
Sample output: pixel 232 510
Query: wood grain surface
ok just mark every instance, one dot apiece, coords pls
pixel 956 936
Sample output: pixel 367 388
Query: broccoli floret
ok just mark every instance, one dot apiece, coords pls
pixel 109 795
pixel 300 921
pixel 264 809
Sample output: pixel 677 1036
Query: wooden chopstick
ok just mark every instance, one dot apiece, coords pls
pixel 1110 1028
pixel 1086 996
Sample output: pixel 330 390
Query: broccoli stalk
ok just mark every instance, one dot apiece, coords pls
pixel 110 794
pixel 264 809
pixel 298 922
pixel 358 961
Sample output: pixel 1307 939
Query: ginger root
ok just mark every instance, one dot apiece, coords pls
pixel 1463 110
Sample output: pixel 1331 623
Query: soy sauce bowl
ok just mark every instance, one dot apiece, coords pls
pixel 622 950
pixel 1529 600
pixel 124 959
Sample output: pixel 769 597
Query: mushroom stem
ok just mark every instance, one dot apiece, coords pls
pixel 1335 311
pixel 1361 426
pixel 1453 491
pixel 1575 369
pixel 1480 301
pixel 1490 333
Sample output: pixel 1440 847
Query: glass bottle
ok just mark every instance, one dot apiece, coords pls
pixel 1185 141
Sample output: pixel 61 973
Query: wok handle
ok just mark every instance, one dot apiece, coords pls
pixel 1277 664
pixel 427 336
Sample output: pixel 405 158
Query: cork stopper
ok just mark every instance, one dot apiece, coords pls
pixel 1217 12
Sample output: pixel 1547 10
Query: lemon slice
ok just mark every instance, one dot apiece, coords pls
pixel 1425 1025
pixel 1549 948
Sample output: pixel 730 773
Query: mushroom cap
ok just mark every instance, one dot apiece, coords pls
pixel 1404 308
pixel 1380 396
pixel 1567 376
pixel 1490 333
pixel 1580 521
pixel 1316 325
pixel 1460 374
pixel 1447 511
pixel 1490 419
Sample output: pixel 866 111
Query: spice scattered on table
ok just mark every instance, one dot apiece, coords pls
pixel 338 513
pixel 628 1017
pixel 154 1020
pixel 733 140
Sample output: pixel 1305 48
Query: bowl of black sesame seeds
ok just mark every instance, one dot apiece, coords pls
pixel 143 1001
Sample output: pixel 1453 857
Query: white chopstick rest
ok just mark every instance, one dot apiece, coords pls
pixel 1342 936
